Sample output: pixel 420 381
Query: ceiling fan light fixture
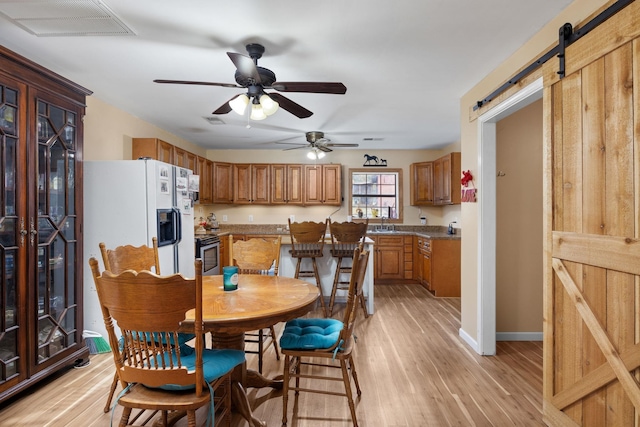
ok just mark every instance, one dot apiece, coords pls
pixel 269 106
pixel 239 104
pixel 257 113
pixel 315 154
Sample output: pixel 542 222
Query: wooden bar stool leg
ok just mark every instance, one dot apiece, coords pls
pixel 336 280
pixel 317 276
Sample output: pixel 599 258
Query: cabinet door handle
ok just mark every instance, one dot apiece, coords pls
pixel 23 231
pixel 33 231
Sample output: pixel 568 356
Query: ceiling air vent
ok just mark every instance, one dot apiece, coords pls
pixel 64 18
pixel 373 139
pixel 214 120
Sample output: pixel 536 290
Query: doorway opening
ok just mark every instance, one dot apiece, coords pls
pixel 487 171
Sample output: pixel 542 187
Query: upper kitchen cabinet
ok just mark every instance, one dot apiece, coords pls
pixel 153 148
pixel 41 256
pixel 184 159
pixel 286 184
pixel 437 182
pixel 222 182
pixel 204 169
pixel 421 183
pixel 322 184
pixel 446 180
pixel 251 183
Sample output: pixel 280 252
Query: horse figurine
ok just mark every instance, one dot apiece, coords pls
pixel 370 159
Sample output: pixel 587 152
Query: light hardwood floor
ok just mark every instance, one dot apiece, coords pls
pixel 414 370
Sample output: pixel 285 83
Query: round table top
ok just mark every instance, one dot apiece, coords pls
pixel 259 302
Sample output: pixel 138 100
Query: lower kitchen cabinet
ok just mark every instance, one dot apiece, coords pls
pixel 393 258
pixel 437 265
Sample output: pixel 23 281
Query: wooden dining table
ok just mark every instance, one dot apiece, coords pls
pixel 259 302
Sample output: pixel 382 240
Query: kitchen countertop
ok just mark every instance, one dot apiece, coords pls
pixel 429 232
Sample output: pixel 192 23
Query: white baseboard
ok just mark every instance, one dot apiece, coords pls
pixel 518 336
pixel 467 338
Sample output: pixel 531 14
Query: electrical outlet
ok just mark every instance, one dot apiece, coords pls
pixel 250 218
pixel 224 218
pixel 423 220
pixel 292 218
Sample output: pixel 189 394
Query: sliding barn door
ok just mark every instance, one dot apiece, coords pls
pixel 592 225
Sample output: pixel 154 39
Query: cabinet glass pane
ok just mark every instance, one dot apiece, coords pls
pixel 9 175
pixel 57 258
pixel 9 233
pixel 9 354
pixel 57 182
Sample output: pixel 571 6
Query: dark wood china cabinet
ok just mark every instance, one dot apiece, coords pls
pixel 40 223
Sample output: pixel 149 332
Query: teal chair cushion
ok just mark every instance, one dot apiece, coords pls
pixel 216 363
pixel 310 334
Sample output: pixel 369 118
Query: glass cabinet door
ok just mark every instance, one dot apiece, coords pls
pixel 56 225
pixel 11 361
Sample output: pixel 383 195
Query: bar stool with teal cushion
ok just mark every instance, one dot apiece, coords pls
pixel 305 341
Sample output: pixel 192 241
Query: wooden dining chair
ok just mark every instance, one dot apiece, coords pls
pixel 157 370
pixel 128 257
pixel 307 242
pixel 258 256
pixel 345 238
pixel 328 343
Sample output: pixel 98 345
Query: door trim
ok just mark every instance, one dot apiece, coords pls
pixel 486 279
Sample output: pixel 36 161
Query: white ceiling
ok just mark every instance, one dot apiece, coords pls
pixel 405 63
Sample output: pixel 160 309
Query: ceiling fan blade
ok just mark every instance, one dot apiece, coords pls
pixel 296 148
pixel 311 87
pixel 324 148
pixel 287 104
pixel 341 145
pixel 245 66
pixel 188 82
pixel 224 108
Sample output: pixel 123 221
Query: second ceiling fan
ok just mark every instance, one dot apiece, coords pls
pixel 316 141
pixel 256 79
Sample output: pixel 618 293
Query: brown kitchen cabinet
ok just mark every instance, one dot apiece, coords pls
pixel 286 184
pixel 437 265
pixel 393 257
pixel 204 169
pixel 446 180
pixel 436 183
pixel 41 302
pixel 421 183
pixel 184 159
pixel 153 148
pixel 322 184
pixel 222 182
pixel 251 183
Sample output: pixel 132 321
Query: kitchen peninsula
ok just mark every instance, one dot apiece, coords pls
pixel 425 267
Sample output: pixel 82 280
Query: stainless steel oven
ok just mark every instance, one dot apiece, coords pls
pixel 208 249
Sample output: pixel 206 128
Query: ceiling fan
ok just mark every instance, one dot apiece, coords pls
pixel 317 142
pixel 256 79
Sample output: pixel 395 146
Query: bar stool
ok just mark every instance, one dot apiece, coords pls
pixel 307 241
pixel 345 238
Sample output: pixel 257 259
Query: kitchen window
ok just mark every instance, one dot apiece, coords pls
pixel 376 194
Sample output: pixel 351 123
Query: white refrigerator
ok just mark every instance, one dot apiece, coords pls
pixel 128 202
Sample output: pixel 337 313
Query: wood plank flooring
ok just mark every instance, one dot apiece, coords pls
pixel 414 370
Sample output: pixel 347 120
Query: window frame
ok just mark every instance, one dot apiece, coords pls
pixel 399 194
